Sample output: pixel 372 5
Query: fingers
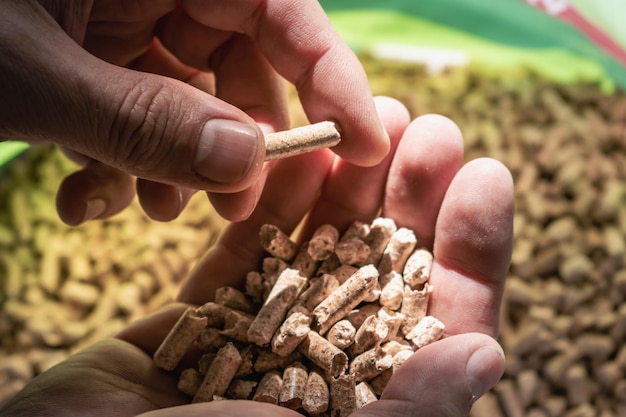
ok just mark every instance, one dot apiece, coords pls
pixel 97 191
pixel 119 32
pixel 237 207
pixel 158 60
pixel 150 126
pixel 464 213
pixel 230 408
pixel 441 379
pixel 355 193
pixel 300 43
pixel 348 192
pixel 166 131
pixel 473 247
pixel 162 202
pixel 428 157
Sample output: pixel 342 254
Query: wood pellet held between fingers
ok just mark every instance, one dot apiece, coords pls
pixel 301 140
pixel 317 329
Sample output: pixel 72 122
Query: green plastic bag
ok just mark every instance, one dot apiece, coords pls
pixel 564 40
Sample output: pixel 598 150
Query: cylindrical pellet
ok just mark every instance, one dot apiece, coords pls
pixel 316 396
pixel 219 375
pixel 268 390
pixel 294 386
pixel 300 140
pixel 323 353
pixel 272 313
pixel 345 298
pixel 178 340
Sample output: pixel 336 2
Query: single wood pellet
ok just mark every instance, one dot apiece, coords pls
pixel 301 139
pixel 312 340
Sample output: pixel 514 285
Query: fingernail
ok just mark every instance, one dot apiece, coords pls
pixel 95 208
pixel 483 370
pixel 225 151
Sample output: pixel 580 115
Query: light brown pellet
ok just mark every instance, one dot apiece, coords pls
pixel 272 267
pixel 219 375
pixel 241 389
pixel 400 246
pixel 268 390
pixel 414 306
pixel 392 319
pixel 214 313
pixel 352 252
pixel 343 272
pixel 211 339
pixel 254 286
pixel 400 357
pixel 246 367
pixel 292 391
pixel 379 235
pixel 362 312
pixel 236 326
pixel 370 333
pixel 364 394
pixel 319 289
pixel 342 395
pixel 291 332
pixel 380 381
pixel 316 395
pixel 370 363
pixel 304 262
pixel 189 381
pixel 341 334
pixel 345 298
pixel 179 339
pixel 323 242
pixel 301 140
pixel 426 331
pixel 277 243
pixel 391 290
pixel 272 313
pixel 324 354
pixel 417 268
pixel 358 230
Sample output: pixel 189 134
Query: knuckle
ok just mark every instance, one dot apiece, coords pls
pixel 141 127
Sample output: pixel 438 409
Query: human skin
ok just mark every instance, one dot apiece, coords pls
pixel 176 93
pixel 463 212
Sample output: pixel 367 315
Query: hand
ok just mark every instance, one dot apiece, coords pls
pixel 176 93
pixel 463 212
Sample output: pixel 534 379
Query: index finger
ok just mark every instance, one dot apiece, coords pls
pixel 301 44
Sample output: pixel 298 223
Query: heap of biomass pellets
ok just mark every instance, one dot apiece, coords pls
pixel 320 329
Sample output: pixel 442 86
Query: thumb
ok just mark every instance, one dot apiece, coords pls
pixel 442 379
pixel 164 130
pixel 147 125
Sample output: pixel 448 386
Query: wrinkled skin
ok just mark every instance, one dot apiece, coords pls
pixel 127 87
pixel 462 212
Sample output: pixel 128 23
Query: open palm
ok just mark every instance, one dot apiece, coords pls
pixel 463 212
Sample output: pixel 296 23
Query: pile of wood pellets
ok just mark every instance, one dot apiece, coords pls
pixel 564 317
pixel 320 329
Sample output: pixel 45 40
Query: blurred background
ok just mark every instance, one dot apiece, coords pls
pixel 537 84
